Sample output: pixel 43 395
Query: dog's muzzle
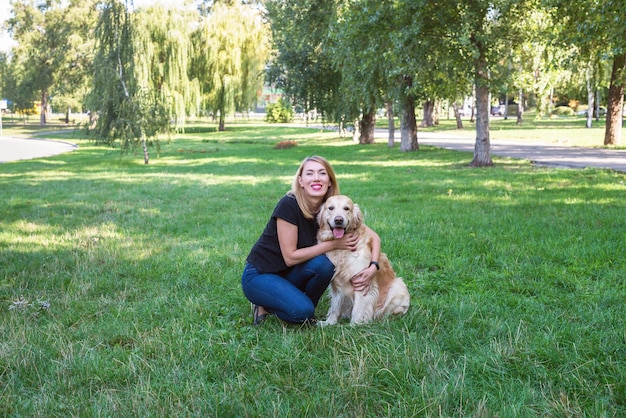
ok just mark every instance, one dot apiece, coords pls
pixel 338 225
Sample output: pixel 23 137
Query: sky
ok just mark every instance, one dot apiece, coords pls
pixel 5 12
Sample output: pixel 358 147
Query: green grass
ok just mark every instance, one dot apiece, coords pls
pixel 120 285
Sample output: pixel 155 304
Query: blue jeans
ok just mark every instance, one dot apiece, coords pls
pixel 294 296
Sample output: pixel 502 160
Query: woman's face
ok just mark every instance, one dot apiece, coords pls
pixel 314 179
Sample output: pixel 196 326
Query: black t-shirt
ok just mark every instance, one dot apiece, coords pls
pixel 265 254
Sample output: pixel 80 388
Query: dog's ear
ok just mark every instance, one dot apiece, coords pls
pixel 320 214
pixel 358 215
pixel 324 232
pixel 320 217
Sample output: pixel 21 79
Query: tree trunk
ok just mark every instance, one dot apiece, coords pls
pixel 482 152
pixel 342 127
pixel 44 107
pixel 408 126
pixel 93 119
pixel 597 104
pixel 429 110
pixel 144 146
pixel 222 107
pixel 614 112
pixel 368 126
pixel 520 107
pixel 551 101
pixel 392 130
pixel 221 125
pixel 356 132
pixel 473 114
pixel 590 99
pixel 506 106
pixel 457 116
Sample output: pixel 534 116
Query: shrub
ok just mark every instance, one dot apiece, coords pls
pixel 563 111
pixel 285 144
pixel 279 112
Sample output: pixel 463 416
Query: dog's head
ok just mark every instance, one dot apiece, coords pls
pixel 339 215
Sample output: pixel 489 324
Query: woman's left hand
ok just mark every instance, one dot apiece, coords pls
pixel 361 280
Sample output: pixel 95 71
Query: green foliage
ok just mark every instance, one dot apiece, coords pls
pixel 125 111
pixel 303 65
pixel 120 285
pixel 563 111
pixel 279 112
pixel 164 38
pixel 143 117
pixel 53 56
pixel 232 47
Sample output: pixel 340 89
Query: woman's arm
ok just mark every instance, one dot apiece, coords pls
pixel 288 241
pixel 375 244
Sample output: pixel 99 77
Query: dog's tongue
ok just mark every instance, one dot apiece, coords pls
pixel 338 232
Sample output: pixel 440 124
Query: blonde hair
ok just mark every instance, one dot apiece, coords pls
pixel 296 190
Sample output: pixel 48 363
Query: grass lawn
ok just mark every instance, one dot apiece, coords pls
pixel 120 285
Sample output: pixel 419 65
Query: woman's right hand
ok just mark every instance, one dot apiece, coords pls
pixel 347 242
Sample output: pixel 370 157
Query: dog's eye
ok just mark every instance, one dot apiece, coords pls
pixel 331 208
pixel 346 208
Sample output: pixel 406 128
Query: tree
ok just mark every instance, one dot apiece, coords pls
pixel 424 59
pixel 401 63
pixel 15 88
pixel 53 48
pixel 164 38
pixel 302 64
pixel 536 63
pixel 614 114
pixel 73 78
pixel 616 34
pixel 594 26
pixel 478 33
pixel 125 111
pixel 357 45
pixel 231 51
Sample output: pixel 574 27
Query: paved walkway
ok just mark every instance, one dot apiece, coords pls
pixel 540 154
pixel 12 149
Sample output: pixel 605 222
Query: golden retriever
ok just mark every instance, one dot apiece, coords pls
pixel 387 295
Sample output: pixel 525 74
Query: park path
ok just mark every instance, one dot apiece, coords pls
pixel 13 149
pixel 540 154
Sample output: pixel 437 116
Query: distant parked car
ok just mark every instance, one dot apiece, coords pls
pixel 497 110
pixel 500 110
pixel 585 111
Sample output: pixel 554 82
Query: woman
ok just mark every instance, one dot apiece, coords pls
pixel 287 271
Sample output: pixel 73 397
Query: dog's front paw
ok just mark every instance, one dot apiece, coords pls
pixel 327 322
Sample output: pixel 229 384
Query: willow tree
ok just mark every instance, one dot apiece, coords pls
pixel 125 111
pixel 164 38
pixel 231 49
